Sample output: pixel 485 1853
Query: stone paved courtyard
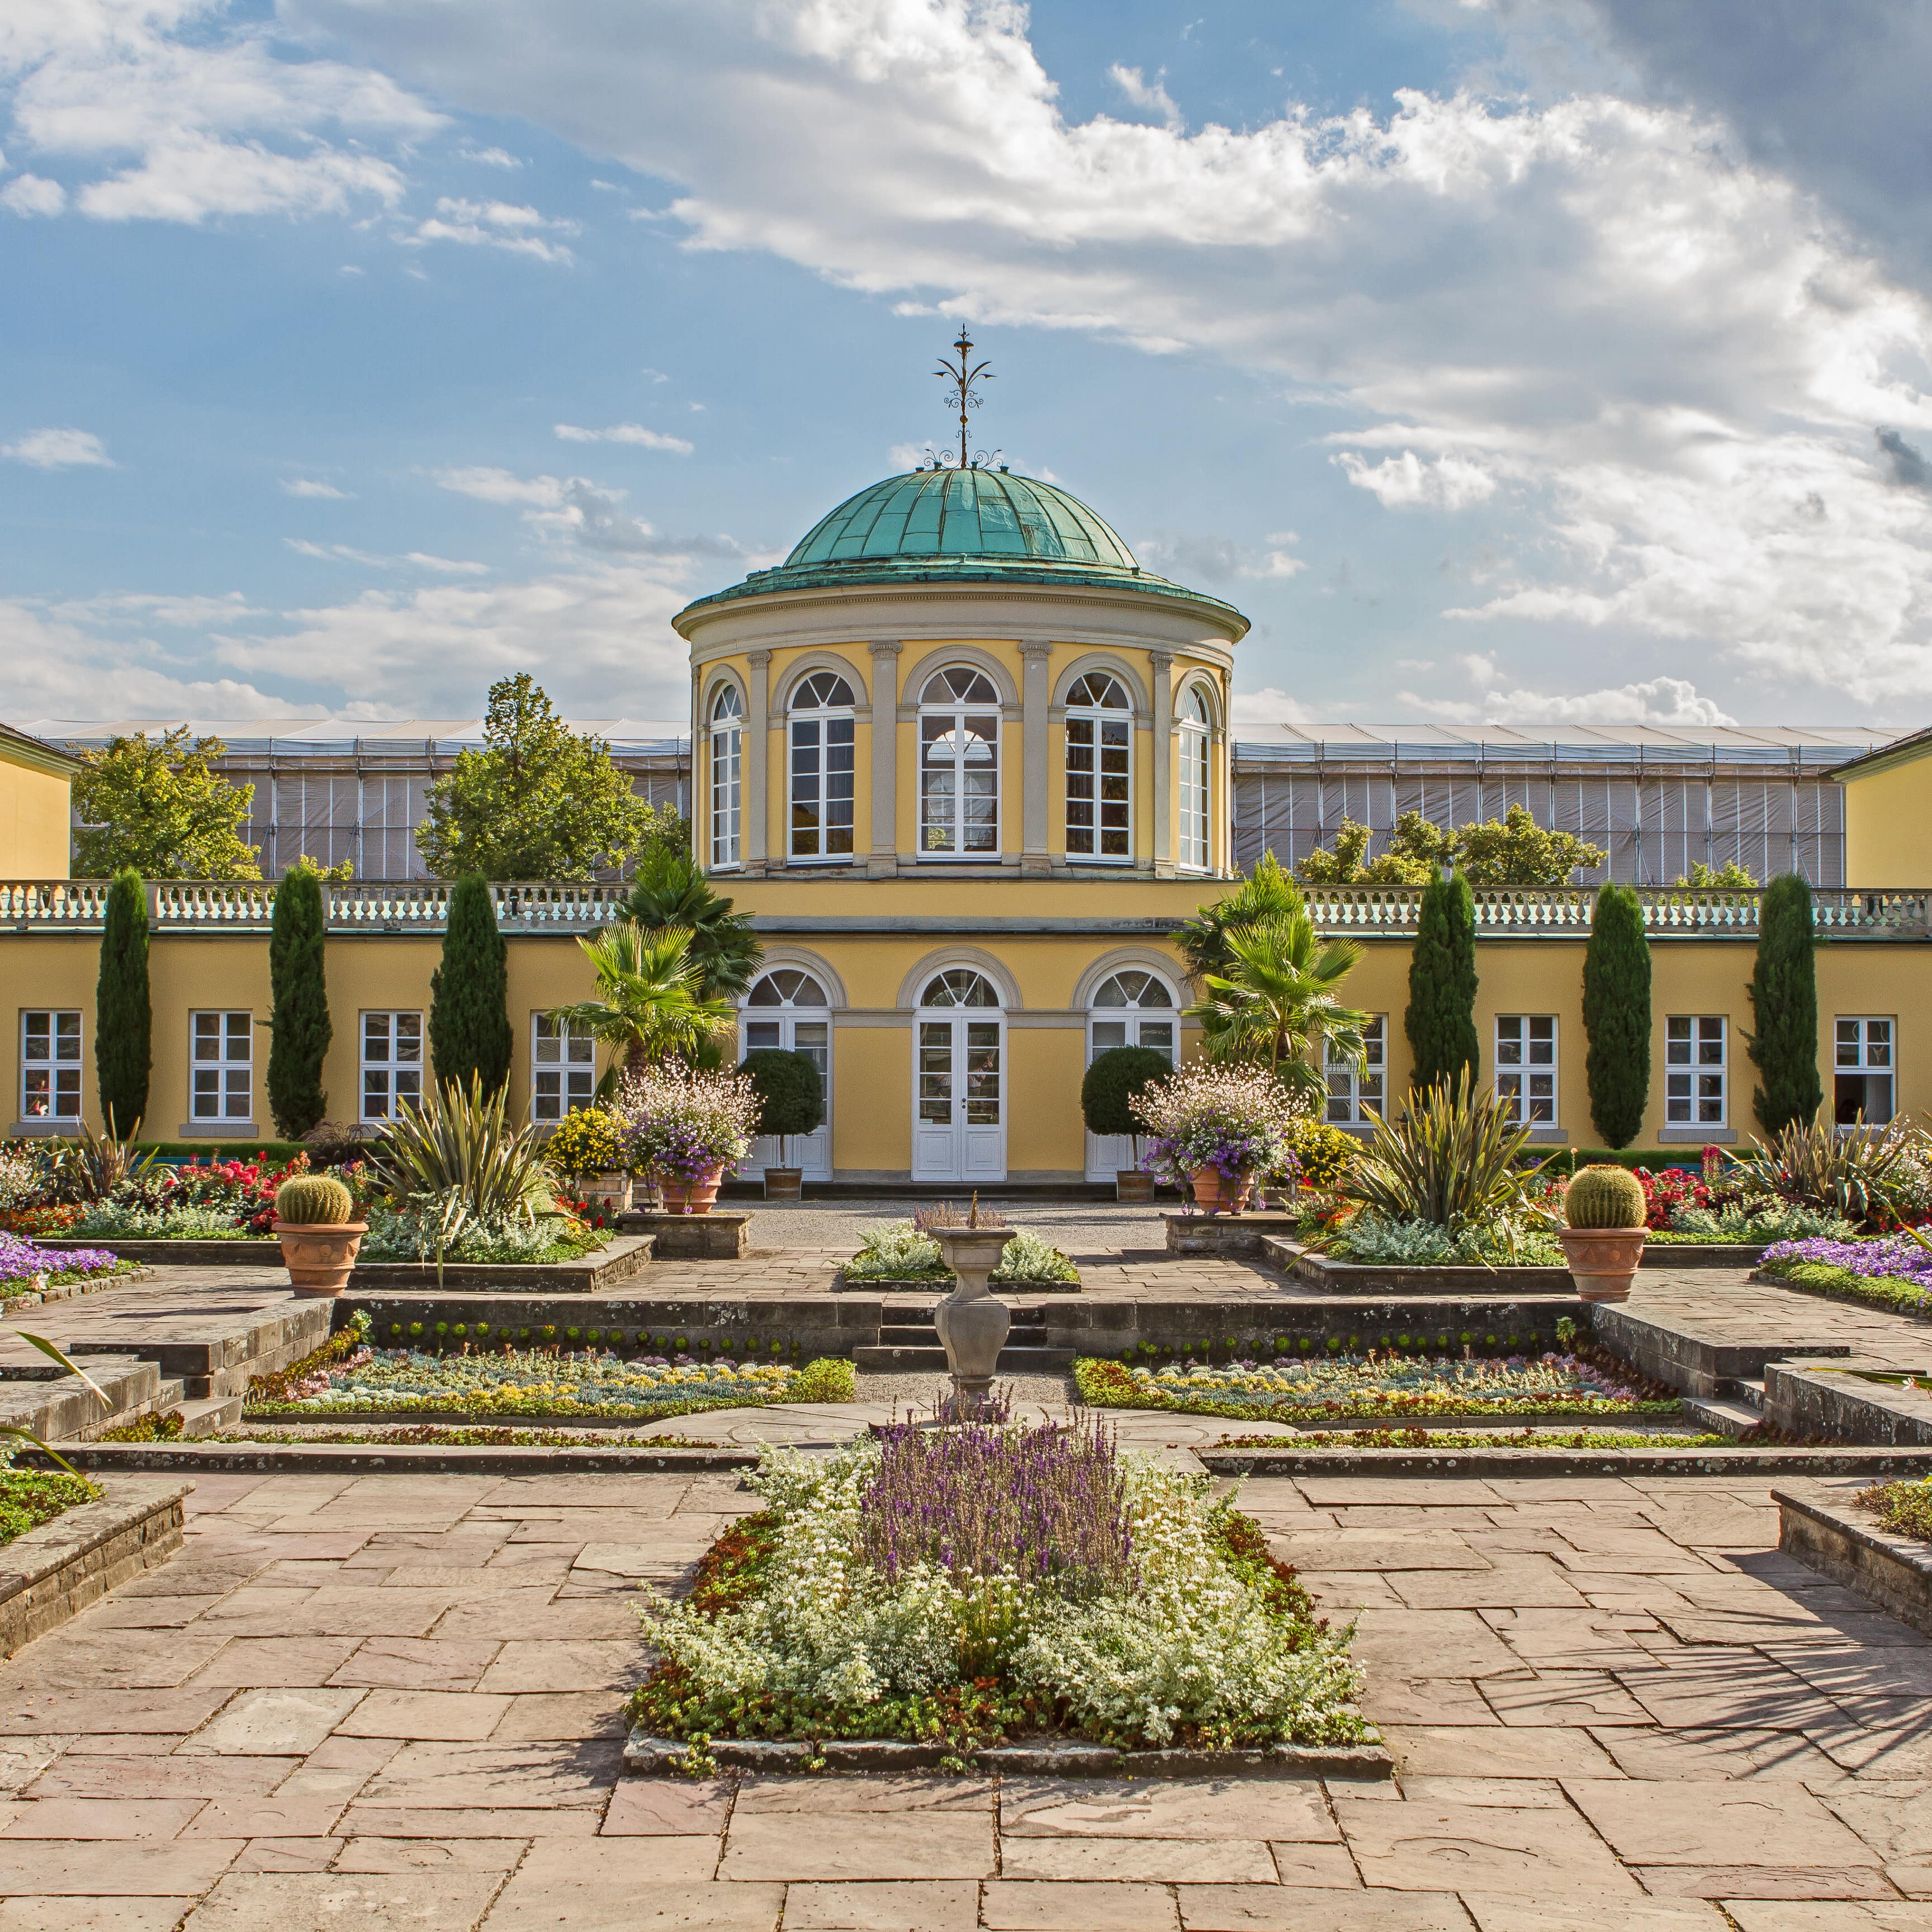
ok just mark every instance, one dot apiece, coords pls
pixel 395 1701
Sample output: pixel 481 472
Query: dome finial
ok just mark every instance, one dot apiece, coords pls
pixel 961 379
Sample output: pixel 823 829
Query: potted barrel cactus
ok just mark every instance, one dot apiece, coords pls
pixel 316 1224
pixel 1604 1242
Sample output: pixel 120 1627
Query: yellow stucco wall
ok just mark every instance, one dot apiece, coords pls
pixel 1888 825
pixel 36 815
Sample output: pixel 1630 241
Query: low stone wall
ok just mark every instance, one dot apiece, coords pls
pixel 1826 1532
pixel 720 1236
pixel 244 1253
pixel 1233 1236
pixel 1089 1327
pixel 1361 1278
pixel 1687 1360
pixel 622 1258
pixel 1806 1399
pixel 53 1572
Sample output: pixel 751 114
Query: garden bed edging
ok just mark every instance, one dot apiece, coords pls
pixel 54 1571
pixel 1833 1536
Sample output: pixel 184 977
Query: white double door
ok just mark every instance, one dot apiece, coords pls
pixel 1108 1154
pixel 959 1100
pixel 811 1153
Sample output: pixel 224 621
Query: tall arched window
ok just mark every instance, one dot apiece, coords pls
pixel 787 1008
pixel 1196 786
pixel 959 766
pixel 726 776
pixel 1132 1009
pixel 821 768
pixel 1099 779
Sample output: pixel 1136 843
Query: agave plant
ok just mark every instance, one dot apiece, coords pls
pixel 1452 1156
pixel 1855 1172
pixel 99 1163
pixel 460 1160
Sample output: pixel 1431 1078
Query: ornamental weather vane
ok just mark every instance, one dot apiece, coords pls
pixel 962 378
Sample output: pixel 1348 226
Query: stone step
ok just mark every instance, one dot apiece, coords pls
pixel 1721 1415
pixel 1021 1361
pixel 1748 1390
pixel 209 1415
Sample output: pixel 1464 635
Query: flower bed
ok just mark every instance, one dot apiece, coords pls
pixel 22 1263
pixel 1377 1385
pixel 904 1251
pixel 345 1376
pixel 1467 1438
pixel 1892 1272
pixel 968 1586
pixel 1905 1509
pixel 27 1499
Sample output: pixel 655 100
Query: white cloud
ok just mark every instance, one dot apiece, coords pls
pixel 309 486
pixel 1189 557
pixel 33 194
pixel 490 157
pixel 647 439
pixel 53 667
pixel 420 559
pixel 493 224
pixel 137 606
pixel 1653 344
pixel 1667 702
pixel 192 115
pixel 1270 705
pixel 489 485
pixel 1151 95
pixel 58 449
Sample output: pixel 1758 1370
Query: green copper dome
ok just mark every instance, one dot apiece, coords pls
pixel 962 513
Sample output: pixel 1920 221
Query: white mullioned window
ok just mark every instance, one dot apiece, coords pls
pixel 1862 1071
pixel 221 1069
pixel 959 766
pixel 392 1063
pixel 1352 1089
pixel 1697 1075
pixel 50 1066
pixel 1133 1008
pixel 1100 776
pixel 727 760
pixel 1194 741
pixel 1526 1068
pixel 821 740
pixel 563 1068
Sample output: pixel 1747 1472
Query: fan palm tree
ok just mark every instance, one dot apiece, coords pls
pixel 1277 1001
pixel 652 1001
pixel 670 892
pixel 1267 892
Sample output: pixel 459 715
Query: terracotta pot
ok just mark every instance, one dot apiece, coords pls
pixel 1131 1184
pixel 784 1183
pixel 1603 1261
pixel 1213 1195
pixel 690 1197
pixel 319 1255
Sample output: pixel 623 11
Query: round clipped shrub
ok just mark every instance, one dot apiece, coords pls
pixel 1114 1079
pixel 791 1093
pixel 314 1201
pixel 1604 1197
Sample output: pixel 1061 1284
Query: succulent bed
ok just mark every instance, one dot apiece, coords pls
pixel 1379 1384
pixel 346 1376
pixel 1466 1439
pixel 969 1586
pixel 905 1251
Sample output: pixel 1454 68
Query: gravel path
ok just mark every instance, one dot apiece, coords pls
pixel 919 1392
pixel 1078 1227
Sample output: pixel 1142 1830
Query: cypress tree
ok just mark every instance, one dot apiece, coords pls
pixel 123 1017
pixel 1616 1016
pixel 1441 1022
pixel 299 1027
pixel 469 1011
pixel 1784 1001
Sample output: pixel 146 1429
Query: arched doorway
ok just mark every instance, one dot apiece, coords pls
pixel 1132 1007
pixel 787 1007
pixel 959 1100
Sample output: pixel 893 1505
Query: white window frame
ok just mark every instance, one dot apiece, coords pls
pixel 727 739
pixel 393 1066
pixel 220 1083
pixel 1526 1065
pixel 1108 730
pixel 1351 1088
pixel 1694 1080
pixel 1865 1066
pixel 570 1067
pixel 1133 1016
pixel 816 730
pixel 953 713
pixel 1194 743
pixel 62 1069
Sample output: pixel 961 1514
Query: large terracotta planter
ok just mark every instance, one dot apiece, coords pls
pixel 319 1255
pixel 784 1183
pixel 1603 1261
pixel 972 1323
pixel 1130 1183
pixel 1214 1195
pixel 690 1197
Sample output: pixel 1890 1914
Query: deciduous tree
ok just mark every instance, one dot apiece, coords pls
pixel 157 806
pixel 1512 850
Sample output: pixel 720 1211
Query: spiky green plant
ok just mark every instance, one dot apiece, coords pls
pixel 1451 1156
pixel 313 1201
pixel 462 1148
pixel 1856 1172
pixel 97 1164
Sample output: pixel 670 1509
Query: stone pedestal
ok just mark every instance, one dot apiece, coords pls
pixel 972 1323
pixel 715 1237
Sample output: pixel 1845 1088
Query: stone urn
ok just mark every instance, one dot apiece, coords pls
pixel 320 1255
pixel 972 1322
pixel 1603 1261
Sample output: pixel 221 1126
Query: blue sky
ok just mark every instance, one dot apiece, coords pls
pixel 1541 363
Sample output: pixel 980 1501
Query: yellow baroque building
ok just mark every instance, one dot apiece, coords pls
pixel 967 766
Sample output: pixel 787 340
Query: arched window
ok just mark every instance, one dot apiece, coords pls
pixel 1099 778
pixel 960 986
pixel 958 766
pixel 787 986
pixel 727 779
pixel 1196 787
pixel 1132 1009
pixel 821 768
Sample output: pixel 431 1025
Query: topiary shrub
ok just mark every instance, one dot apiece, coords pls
pixel 1605 1197
pixel 1113 1081
pixel 124 1018
pixel 791 1090
pixel 1441 1019
pixel 314 1201
pixel 1616 1015
pixel 1784 1002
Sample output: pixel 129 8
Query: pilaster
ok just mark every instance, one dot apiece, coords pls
pixel 883 861
pixel 1160 664
pixel 757 751
pixel 1036 697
